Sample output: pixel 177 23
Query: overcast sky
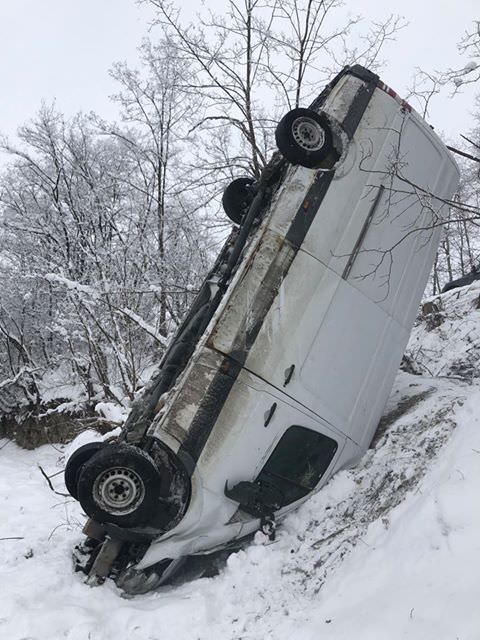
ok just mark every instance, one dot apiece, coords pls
pixel 62 49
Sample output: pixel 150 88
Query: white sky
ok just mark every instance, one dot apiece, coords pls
pixel 62 49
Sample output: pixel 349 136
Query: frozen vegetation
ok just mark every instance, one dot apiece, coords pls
pixel 389 549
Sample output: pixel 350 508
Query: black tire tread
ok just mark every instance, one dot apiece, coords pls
pixel 289 148
pixel 235 200
pixel 74 464
pixel 118 455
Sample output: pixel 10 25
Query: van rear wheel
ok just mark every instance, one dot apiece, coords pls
pixel 304 137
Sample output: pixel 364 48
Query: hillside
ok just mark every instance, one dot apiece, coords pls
pixel 389 549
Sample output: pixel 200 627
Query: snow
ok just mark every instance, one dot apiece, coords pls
pixel 144 325
pixel 72 285
pixel 469 67
pixel 54 385
pixel 389 549
pixel 452 347
pixel 111 411
pixel 419 577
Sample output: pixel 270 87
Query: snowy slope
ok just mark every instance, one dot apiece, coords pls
pixel 390 549
pixel 446 341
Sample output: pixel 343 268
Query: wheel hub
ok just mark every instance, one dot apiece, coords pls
pixel 308 134
pixel 118 490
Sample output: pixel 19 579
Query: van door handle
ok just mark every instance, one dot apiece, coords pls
pixel 269 414
pixel 288 374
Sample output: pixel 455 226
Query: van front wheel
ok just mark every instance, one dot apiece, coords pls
pixel 304 137
pixel 120 484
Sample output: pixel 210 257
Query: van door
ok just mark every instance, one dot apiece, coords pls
pixel 253 421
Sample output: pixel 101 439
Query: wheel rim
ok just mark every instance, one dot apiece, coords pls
pixel 118 490
pixel 308 134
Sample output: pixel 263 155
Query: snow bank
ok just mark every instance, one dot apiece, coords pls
pixel 418 577
pixel 446 340
pixel 389 549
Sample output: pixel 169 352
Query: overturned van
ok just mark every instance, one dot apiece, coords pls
pixel 279 374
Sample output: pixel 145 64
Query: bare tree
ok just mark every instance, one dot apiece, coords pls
pixel 156 111
pixel 459 251
pixel 259 60
pixel 425 86
pixel 469 48
pixel 80 238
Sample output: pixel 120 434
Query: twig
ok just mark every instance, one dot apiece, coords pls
pixel 470 141
pixel 65 495
pixel 462 153
pixel 14 538
pixel 57 473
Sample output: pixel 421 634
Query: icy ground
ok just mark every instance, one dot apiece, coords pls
pixel 388 550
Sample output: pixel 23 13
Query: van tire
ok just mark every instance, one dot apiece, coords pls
pixel 75 464
pixel 120 485
pixel 304 137
pixel 237 198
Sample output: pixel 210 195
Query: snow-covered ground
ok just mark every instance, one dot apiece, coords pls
pixel 390 549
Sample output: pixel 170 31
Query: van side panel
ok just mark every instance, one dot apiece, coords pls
pixel 398 249
pixel 344 311
pixel 339 222
pixel 341 343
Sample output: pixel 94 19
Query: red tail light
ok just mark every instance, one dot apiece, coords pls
pixel 405 106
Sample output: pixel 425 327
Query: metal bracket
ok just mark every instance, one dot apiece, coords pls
pixel 103 562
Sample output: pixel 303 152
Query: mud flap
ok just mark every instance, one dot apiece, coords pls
pixel 103 562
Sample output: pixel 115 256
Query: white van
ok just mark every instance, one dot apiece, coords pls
pixel 278 376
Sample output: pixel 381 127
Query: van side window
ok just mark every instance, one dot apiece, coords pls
pixel 297 463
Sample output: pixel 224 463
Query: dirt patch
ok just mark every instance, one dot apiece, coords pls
pixel 35 426
pixel 404 406
pixel 432 314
